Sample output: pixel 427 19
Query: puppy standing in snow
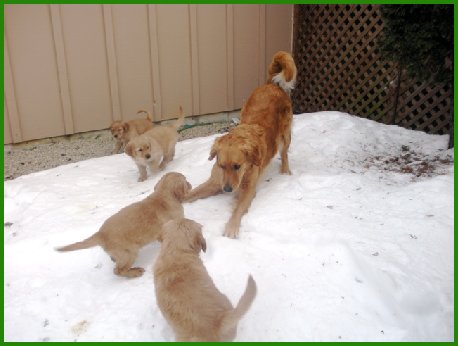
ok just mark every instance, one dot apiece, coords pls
pixel 131 228
pixel 186 294
pixel 124 131
pixel 155 148
pixel 244 153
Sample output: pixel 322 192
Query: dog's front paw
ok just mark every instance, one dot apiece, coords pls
pixel 231 230
pixel 286 171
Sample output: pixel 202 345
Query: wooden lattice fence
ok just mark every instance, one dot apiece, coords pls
pixel 339 69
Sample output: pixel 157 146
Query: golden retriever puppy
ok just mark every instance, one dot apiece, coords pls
pixel 243 153
pixel 123 234
pixel 186 294
pixel 124 131
pixel 155 148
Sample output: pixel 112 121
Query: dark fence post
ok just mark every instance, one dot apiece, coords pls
pixel 396 98
pixel 450 142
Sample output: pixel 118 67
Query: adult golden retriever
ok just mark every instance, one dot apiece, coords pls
pixel 243 153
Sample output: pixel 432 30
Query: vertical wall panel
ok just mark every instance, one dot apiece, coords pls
pixel 32 60
pixel 85 46
pixel 10 96
pixel 112 62
pixel 279 30
pixel 174 59
pixel 246 54
pixel 61 62
pixel 213 58
pixel 195 77
pixel 133 59
pixel 8 138
pixel 230 57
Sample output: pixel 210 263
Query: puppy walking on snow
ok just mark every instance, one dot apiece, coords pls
pixel 186 294
pixel 124 131
pixel 155 148
pixel 131 228
pixel 244 153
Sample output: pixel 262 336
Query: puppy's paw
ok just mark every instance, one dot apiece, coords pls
pixel 129 273
pixel 135 272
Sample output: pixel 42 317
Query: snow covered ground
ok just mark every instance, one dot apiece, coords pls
pixel 356 245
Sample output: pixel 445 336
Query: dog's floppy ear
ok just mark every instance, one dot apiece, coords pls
pixel 129 150
pixel 214 150
pixel 252 153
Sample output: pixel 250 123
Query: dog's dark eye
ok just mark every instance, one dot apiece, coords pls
pixel 140 149
pixel 235 167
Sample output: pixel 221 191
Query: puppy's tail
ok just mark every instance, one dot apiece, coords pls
pixel 148 114
pixel 232 317
pixel 180 120
pixel 85 244
pixel 282 71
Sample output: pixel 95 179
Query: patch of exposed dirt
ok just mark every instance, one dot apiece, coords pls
pixel 410 162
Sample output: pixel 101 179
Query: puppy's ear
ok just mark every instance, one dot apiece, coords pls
pixel 129 150
pixel 160 183
pixel 198 242
pixel 181 189
pixel 214 150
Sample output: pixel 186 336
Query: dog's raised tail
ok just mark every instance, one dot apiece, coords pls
pixel 180 120
pixel 232 317
pixel 148 114
pixel 282 71
pixel 85 244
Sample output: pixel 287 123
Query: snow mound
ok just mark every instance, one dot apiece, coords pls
pixel 354 246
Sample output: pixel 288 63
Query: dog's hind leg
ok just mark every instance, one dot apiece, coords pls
pixel 167 158
pixel 124 260
pixel 285 142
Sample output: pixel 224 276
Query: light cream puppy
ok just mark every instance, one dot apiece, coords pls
pixel 186 294
pixel 155 148
pixel 126 232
